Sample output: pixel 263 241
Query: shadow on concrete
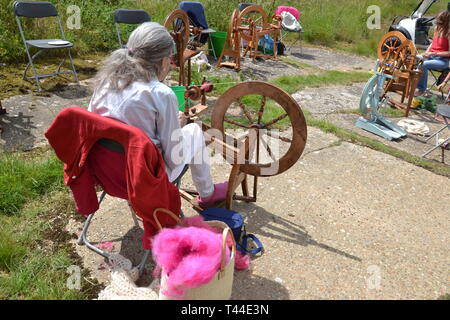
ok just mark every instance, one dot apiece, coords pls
pixel 73 91
pixel 16 133
pixel 302 55
pixel 247 286
pixel 269 225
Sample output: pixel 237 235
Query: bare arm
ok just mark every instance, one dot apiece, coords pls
pixel 443 54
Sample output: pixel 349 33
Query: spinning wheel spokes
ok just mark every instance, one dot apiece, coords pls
pixel 236 123
pixel 260 109
pixel 244 109
pixel 394 47
pixel 265 144
pixel 277 136
pixel 254 15
pixel 177 23
pixel 272 122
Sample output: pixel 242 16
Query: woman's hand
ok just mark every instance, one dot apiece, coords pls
pixel 182 119
pixel 442 86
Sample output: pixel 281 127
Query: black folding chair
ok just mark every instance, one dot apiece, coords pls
pixel 444 112
pixel 83 238
pixel 438 79
pixel 129 16
pixel 42 9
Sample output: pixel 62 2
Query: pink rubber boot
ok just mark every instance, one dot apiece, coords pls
pixel 219 194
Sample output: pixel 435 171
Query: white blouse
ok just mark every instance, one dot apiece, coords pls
pixel 152 107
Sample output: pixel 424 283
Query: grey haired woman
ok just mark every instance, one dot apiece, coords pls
pixel 129 88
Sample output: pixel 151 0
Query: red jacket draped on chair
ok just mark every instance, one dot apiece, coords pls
pixel 72 135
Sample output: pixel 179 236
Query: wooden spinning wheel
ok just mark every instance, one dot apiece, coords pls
pixel 389 44
pixel 177 23
pixel 394 50
pixel 256 109
pixel 398 57
pixel 256 18
pixel 249 25
pixel 232 48
pixel 269 107
pixel 252 15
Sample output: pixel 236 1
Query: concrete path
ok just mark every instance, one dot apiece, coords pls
pixel 346 222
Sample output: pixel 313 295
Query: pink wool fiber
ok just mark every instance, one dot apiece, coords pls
pixel 241 262
pixel 190 256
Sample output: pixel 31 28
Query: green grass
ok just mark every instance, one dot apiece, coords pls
pixel 333 23
pixel 24 178
pixel 296 63
pixel 395 113
pixel 295 83
pixel 353 137
pixel 34 248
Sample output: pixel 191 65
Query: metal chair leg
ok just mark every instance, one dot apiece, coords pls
pixel 73 69
pixel 436 147
pixel 436 133
pixel 133 215
pixel 83 240
pixel 141 265
pixel 212 46
pixel 30 58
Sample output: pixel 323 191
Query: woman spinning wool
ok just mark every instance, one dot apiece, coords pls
pixel 130 89
pixel 437 56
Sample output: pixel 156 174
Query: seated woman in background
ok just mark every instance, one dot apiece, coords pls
pixel 437 56
pixel 129 88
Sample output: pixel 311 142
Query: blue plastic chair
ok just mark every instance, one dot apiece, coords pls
pixel 242 6
pixel 196 13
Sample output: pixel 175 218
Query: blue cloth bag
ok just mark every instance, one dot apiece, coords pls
pixel 236 223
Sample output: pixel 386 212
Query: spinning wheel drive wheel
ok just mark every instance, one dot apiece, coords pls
pixel 177 23
pixel 389 45
pixel 253 14
pixel 233 29
pixel 368 95
pixel 263 108
pixel 406 56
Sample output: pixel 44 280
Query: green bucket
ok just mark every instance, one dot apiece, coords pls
pixel 179 92
pixel 218 42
